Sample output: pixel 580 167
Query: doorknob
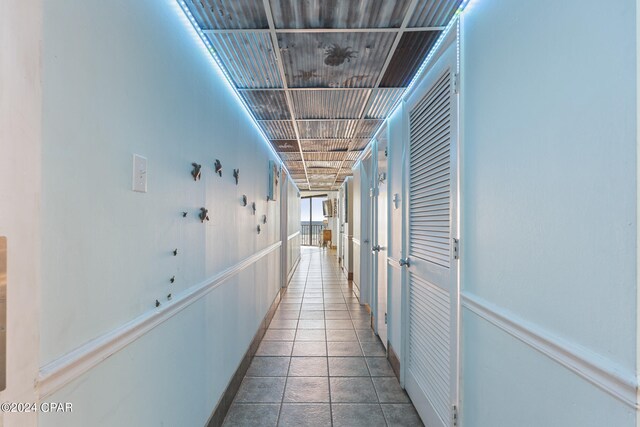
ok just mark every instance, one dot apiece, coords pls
pixel 404 261
pixel 376 248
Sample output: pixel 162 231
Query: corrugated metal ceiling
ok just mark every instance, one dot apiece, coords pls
pixel 249 58
pixel 286 145
pixel 434 13
pixel 325 156
pixel 327 129
pixel 329 104
pixel 382 100
pixel 411 51
pixel 342 73
pixel 327 145
pixel 229 14
pixel 268 104
pixel 334 60
pixel 338 13
pixel 278 129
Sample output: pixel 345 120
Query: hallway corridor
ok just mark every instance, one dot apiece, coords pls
pixel 320 364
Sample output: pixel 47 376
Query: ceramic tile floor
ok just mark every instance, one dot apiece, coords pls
pixel 320 364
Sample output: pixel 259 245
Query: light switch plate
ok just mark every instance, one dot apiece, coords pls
pixel 139 173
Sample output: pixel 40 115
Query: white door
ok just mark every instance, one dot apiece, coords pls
pixel 380 246
pixel 431 344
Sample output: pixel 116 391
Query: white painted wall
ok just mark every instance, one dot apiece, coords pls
pixel 548 206
pixel 122 78
pixel 20 192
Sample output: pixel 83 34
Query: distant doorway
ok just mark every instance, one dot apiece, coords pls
pixel 313 219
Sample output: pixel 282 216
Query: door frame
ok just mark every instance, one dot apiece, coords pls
pixel 451 41
pixel 284 228
pixel 377 258
pixel 365 229
pixel 373 234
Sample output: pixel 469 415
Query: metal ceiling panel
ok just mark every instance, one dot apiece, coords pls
pixel 352 155
pixel 368 128
pixel 409 55
pixel 338 13
pixel 291 157
pixel 333 157
pixel 278 129
pixel 327 145
pixel 382 100
pixel 347 167
pixel 360 144
pixel 328 104
pixel 295 167
pixel 228 14
pixel 323 177
pixel 429 13
pixel 267 104
pixel 353 60
pixel 286 145
pixel 313 164
pixel 343 129
pixel 248 58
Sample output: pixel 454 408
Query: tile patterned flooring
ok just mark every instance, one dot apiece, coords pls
pixel 319 363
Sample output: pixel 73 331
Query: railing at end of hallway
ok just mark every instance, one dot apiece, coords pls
pixel 311 234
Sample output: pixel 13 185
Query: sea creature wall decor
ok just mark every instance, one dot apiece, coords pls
pixel 204 214
pixel 196 173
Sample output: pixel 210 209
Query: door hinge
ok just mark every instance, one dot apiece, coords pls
pixel 456 248
pixel 454 415
pixel 385 318
pixel 456 83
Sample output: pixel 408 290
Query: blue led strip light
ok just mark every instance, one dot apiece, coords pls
pixel 418 74
pixel 222 68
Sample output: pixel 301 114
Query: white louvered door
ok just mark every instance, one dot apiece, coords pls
pixel 431 375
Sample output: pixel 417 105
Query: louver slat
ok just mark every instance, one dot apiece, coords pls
pixel 429 341
pixel 430 176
